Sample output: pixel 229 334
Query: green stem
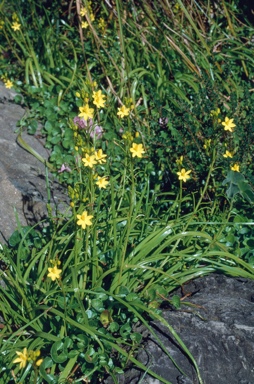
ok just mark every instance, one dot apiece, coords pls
pixel 211 169
pixel 180 200
pixel 64 330
pixel 128 226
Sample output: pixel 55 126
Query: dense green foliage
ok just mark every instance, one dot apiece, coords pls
pixel 146 109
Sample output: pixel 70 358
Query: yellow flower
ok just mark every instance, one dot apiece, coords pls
pixel 86 112
pixel 8 84
pixel 54 273
pixel 123 111
pixel 228 124
pixel 84 24
pixel 98 99
pixel 84 220
pixel 77 94
pixel 92 17
pixel 16 26
pixel 83 11
pixel 22 358
pixel 228 154
pixel 89 161
pixel 183 175
pixel 100 156
pixel 179 161
pixel 137 150
pixel 235 168
pixel 102 182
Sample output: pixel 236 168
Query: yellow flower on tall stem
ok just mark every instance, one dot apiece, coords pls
pixel 54 273
pixel 228 124
pixel 228 154
pixel 102 182
pixel 84 220
pixel 86 112
pixel 22 358
pixel 89 160
pixel 84 24
pixel 183 175
pixel 83 11
pixel 16 26
pixel 137 150
pixel 8 84
pixel 100 156
pixel 98 99
pixel 235 168
pixel 123 111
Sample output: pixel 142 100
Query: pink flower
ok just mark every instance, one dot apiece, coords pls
pixel 64 168
pixel 81 123
pixel 95 131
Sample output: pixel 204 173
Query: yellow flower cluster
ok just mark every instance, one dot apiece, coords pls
pixel 97 158
pixel 98 100
pixel 229 125
pixel 102 24
pixel 87 12
pixel 182 174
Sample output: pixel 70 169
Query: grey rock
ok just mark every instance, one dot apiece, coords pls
pixel 218 331
pixel 22 177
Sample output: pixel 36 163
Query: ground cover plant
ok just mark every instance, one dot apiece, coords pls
pixel 146 109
